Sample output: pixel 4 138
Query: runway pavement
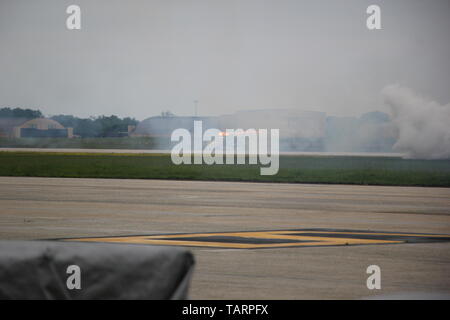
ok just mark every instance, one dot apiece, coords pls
pixel 168 151
pixel 43 208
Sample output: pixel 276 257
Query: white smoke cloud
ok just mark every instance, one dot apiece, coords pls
pixel 423 125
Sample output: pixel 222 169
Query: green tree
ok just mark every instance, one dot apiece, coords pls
pixel 20 113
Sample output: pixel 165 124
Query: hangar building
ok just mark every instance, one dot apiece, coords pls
pixel 299 130
pixel 34 128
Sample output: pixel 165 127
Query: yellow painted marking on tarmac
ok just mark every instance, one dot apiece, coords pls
pixel 369 233
pixel 330 240
pixel 288 235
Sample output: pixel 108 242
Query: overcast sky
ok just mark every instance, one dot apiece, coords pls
pixel 138 58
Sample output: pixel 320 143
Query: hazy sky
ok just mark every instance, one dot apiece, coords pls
pixel 138 58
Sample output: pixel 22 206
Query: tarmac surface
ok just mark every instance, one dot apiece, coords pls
pixel 165 151
pixel 48 208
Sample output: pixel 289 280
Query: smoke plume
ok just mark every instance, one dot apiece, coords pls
pixel 423 125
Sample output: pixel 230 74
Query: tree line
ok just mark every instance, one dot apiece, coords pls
pixel 102 126
pixel 20 113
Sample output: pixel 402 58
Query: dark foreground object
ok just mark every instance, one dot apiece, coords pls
pixel 45 270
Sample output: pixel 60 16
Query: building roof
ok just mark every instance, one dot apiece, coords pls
pixel 7 124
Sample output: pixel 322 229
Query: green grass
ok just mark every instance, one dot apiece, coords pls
pixel 293 169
